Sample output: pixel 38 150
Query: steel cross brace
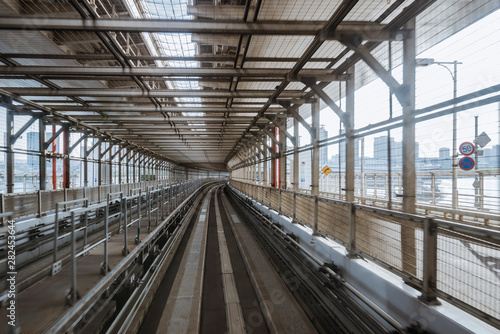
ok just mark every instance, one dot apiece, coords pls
pixel 353 42
pixel 270 135
pixel 55 135
pixel 311 83
pixel 276 122
pixel 295 113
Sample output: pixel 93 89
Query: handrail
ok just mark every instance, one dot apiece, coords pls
pixel 427 252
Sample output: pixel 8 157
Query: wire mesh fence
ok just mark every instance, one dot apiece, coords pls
pixel 333 219
pixel 468 271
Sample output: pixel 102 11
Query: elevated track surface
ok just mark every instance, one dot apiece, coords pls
pixel 213 265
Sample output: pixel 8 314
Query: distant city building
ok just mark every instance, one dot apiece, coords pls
pixel 32 143
pixel 444 153
pixel 380 150
pixel 323 151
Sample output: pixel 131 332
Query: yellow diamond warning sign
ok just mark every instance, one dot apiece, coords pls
pixel 326 170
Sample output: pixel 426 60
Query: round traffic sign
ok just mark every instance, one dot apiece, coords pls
pixel 466 148
pixel 466 163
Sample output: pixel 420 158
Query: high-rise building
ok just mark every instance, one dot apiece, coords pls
pixel 444 153
pixel 33 141
pixel 323 151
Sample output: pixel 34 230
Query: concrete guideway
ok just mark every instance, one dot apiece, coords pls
pixel 223 282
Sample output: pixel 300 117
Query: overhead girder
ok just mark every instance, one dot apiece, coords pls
pixel 54 116
pixel 123 126
pixel 369 30
pixel 154 109
pixel 170 93
pixel 322 75
pixel 333 23
pixel 192 119
pixel 207 58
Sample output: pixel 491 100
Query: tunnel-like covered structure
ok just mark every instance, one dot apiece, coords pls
pixel 371 124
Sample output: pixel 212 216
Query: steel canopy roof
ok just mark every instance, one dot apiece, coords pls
pixel 188 81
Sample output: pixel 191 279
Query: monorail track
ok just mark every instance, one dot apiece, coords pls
pixel 211 287
pixel 214 265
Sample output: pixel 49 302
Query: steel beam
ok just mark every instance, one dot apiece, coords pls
pixel 296 115
pixel 160 109
pixel 42 162
pixel 282 128
pixel 139 117
pixel 85 135
pixel 159 71
pixel 9 167
pixel 270 135
pixel 24 128
pixel 204 58
pixel 157 93
pixel 55 135
pixel 315 151
pixel 350 140
pixel 262 141
pixel 401 91
pixel 408 237
pixel 295 170
pixel 66 160
pixel 311 83
pixel 333 23
pixel 196 27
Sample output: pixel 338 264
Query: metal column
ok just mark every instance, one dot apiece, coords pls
pixel 85 163
pixel 408 248
pixel 350 141
pixel 110 149
pixel 10 153
pixel 120 157
pixel 315 160
pixel 315 150
pixel 66 160
pixel 409 177
pixel 42 168
pixel 99 165
pixel 296 155
pixel 264 171
pixel 273 163
pixel 283 158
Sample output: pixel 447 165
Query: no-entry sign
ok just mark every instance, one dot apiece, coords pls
pixel 466 163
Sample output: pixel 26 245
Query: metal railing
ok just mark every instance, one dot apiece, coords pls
pixel 373 189
pixel 38 203
pixel 440 258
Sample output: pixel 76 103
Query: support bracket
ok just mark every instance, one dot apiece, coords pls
pixel 311 83
pixel 353 42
